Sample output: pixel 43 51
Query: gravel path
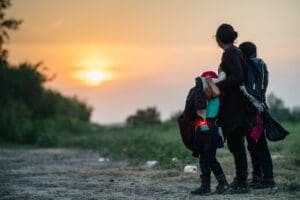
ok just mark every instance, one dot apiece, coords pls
pixel 77 174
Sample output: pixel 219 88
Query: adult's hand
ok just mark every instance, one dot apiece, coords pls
pixel 208 92
pixel 213 88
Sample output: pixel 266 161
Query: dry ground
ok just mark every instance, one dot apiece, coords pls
pixel 77 174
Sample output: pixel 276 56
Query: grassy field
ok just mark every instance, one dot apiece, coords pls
pixel 135 146
pixel 161 142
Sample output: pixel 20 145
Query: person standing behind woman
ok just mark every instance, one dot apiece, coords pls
pixel 236 116
pixel 262 174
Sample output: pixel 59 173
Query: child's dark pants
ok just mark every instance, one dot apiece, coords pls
pixel 207 159
pixel 208 163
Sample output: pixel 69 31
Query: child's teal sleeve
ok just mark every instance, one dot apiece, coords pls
pixel 212 107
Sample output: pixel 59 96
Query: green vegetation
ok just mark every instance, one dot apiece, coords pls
pixel 32 114
pixel 158 142
pixel 280 111
pixel 163 142
pixel 142 117
pixel 138 144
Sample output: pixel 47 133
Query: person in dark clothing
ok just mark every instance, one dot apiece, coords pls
pixel 207 138
pixel 236 115
pixel 262 174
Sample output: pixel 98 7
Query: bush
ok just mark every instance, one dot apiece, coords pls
pixel 280 111
pixel 47 139
pixel 29 112
pixel 148 116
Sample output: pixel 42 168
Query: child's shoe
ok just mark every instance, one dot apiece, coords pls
pixel 222 187
pixel 204 189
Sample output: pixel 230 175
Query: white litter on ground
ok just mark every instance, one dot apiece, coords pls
pixel 103 159
pixel 276 156
pixel 151 164
pixel 190 169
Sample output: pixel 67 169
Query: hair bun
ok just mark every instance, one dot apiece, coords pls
pixel 226 33
pixel 235 34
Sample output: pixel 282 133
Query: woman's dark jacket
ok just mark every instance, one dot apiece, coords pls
pixel 236 110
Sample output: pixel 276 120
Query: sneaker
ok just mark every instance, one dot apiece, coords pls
pixel 202 190
pixel 237 187
pixel 254 182
pixel 266 184
pixel 222 187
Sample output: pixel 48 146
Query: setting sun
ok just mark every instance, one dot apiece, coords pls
pixel 93 77
pixel 93 70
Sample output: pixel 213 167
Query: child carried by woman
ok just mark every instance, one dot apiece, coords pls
pixel 207 137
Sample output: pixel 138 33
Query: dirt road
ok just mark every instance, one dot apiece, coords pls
pixel 77 174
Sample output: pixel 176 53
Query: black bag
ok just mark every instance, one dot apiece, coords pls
pixel 195 100
pixel 186 122
pixel 274 131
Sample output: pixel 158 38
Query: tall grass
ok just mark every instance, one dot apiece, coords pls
pixel 160 142
pixel 138 144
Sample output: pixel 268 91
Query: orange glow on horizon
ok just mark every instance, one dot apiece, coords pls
pixel 93 70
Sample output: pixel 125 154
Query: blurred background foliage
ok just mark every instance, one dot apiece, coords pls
pixel 30 112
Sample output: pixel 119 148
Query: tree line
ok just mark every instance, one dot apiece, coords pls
pixel 276 106
pixel 29 112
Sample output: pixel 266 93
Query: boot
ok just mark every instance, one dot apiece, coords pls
pixel 204 189
pixel 238 186
pixel 266 184
pixel 255 181
pixel 222 187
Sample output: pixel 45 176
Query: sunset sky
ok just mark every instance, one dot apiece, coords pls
pixel 121 55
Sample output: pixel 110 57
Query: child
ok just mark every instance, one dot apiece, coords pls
pixel 262 175
pixel 207 137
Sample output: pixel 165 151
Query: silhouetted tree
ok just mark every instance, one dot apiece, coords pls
pixel 296 113
pixel 174 117
pixel 6 24
pixel 30 113
pixel 148 116
pixel 278 109
pixel 28 109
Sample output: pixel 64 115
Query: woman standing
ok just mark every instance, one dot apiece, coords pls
pixel 236 116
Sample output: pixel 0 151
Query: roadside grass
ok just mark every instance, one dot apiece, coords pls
pixel 163 142
pixel 137 144
pixel 159 142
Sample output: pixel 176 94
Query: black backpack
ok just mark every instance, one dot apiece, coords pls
pixel 195 100
pixel 274 131
pixel 257 79
pixel 186 120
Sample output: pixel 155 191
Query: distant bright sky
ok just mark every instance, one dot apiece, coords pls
pixel 121 55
